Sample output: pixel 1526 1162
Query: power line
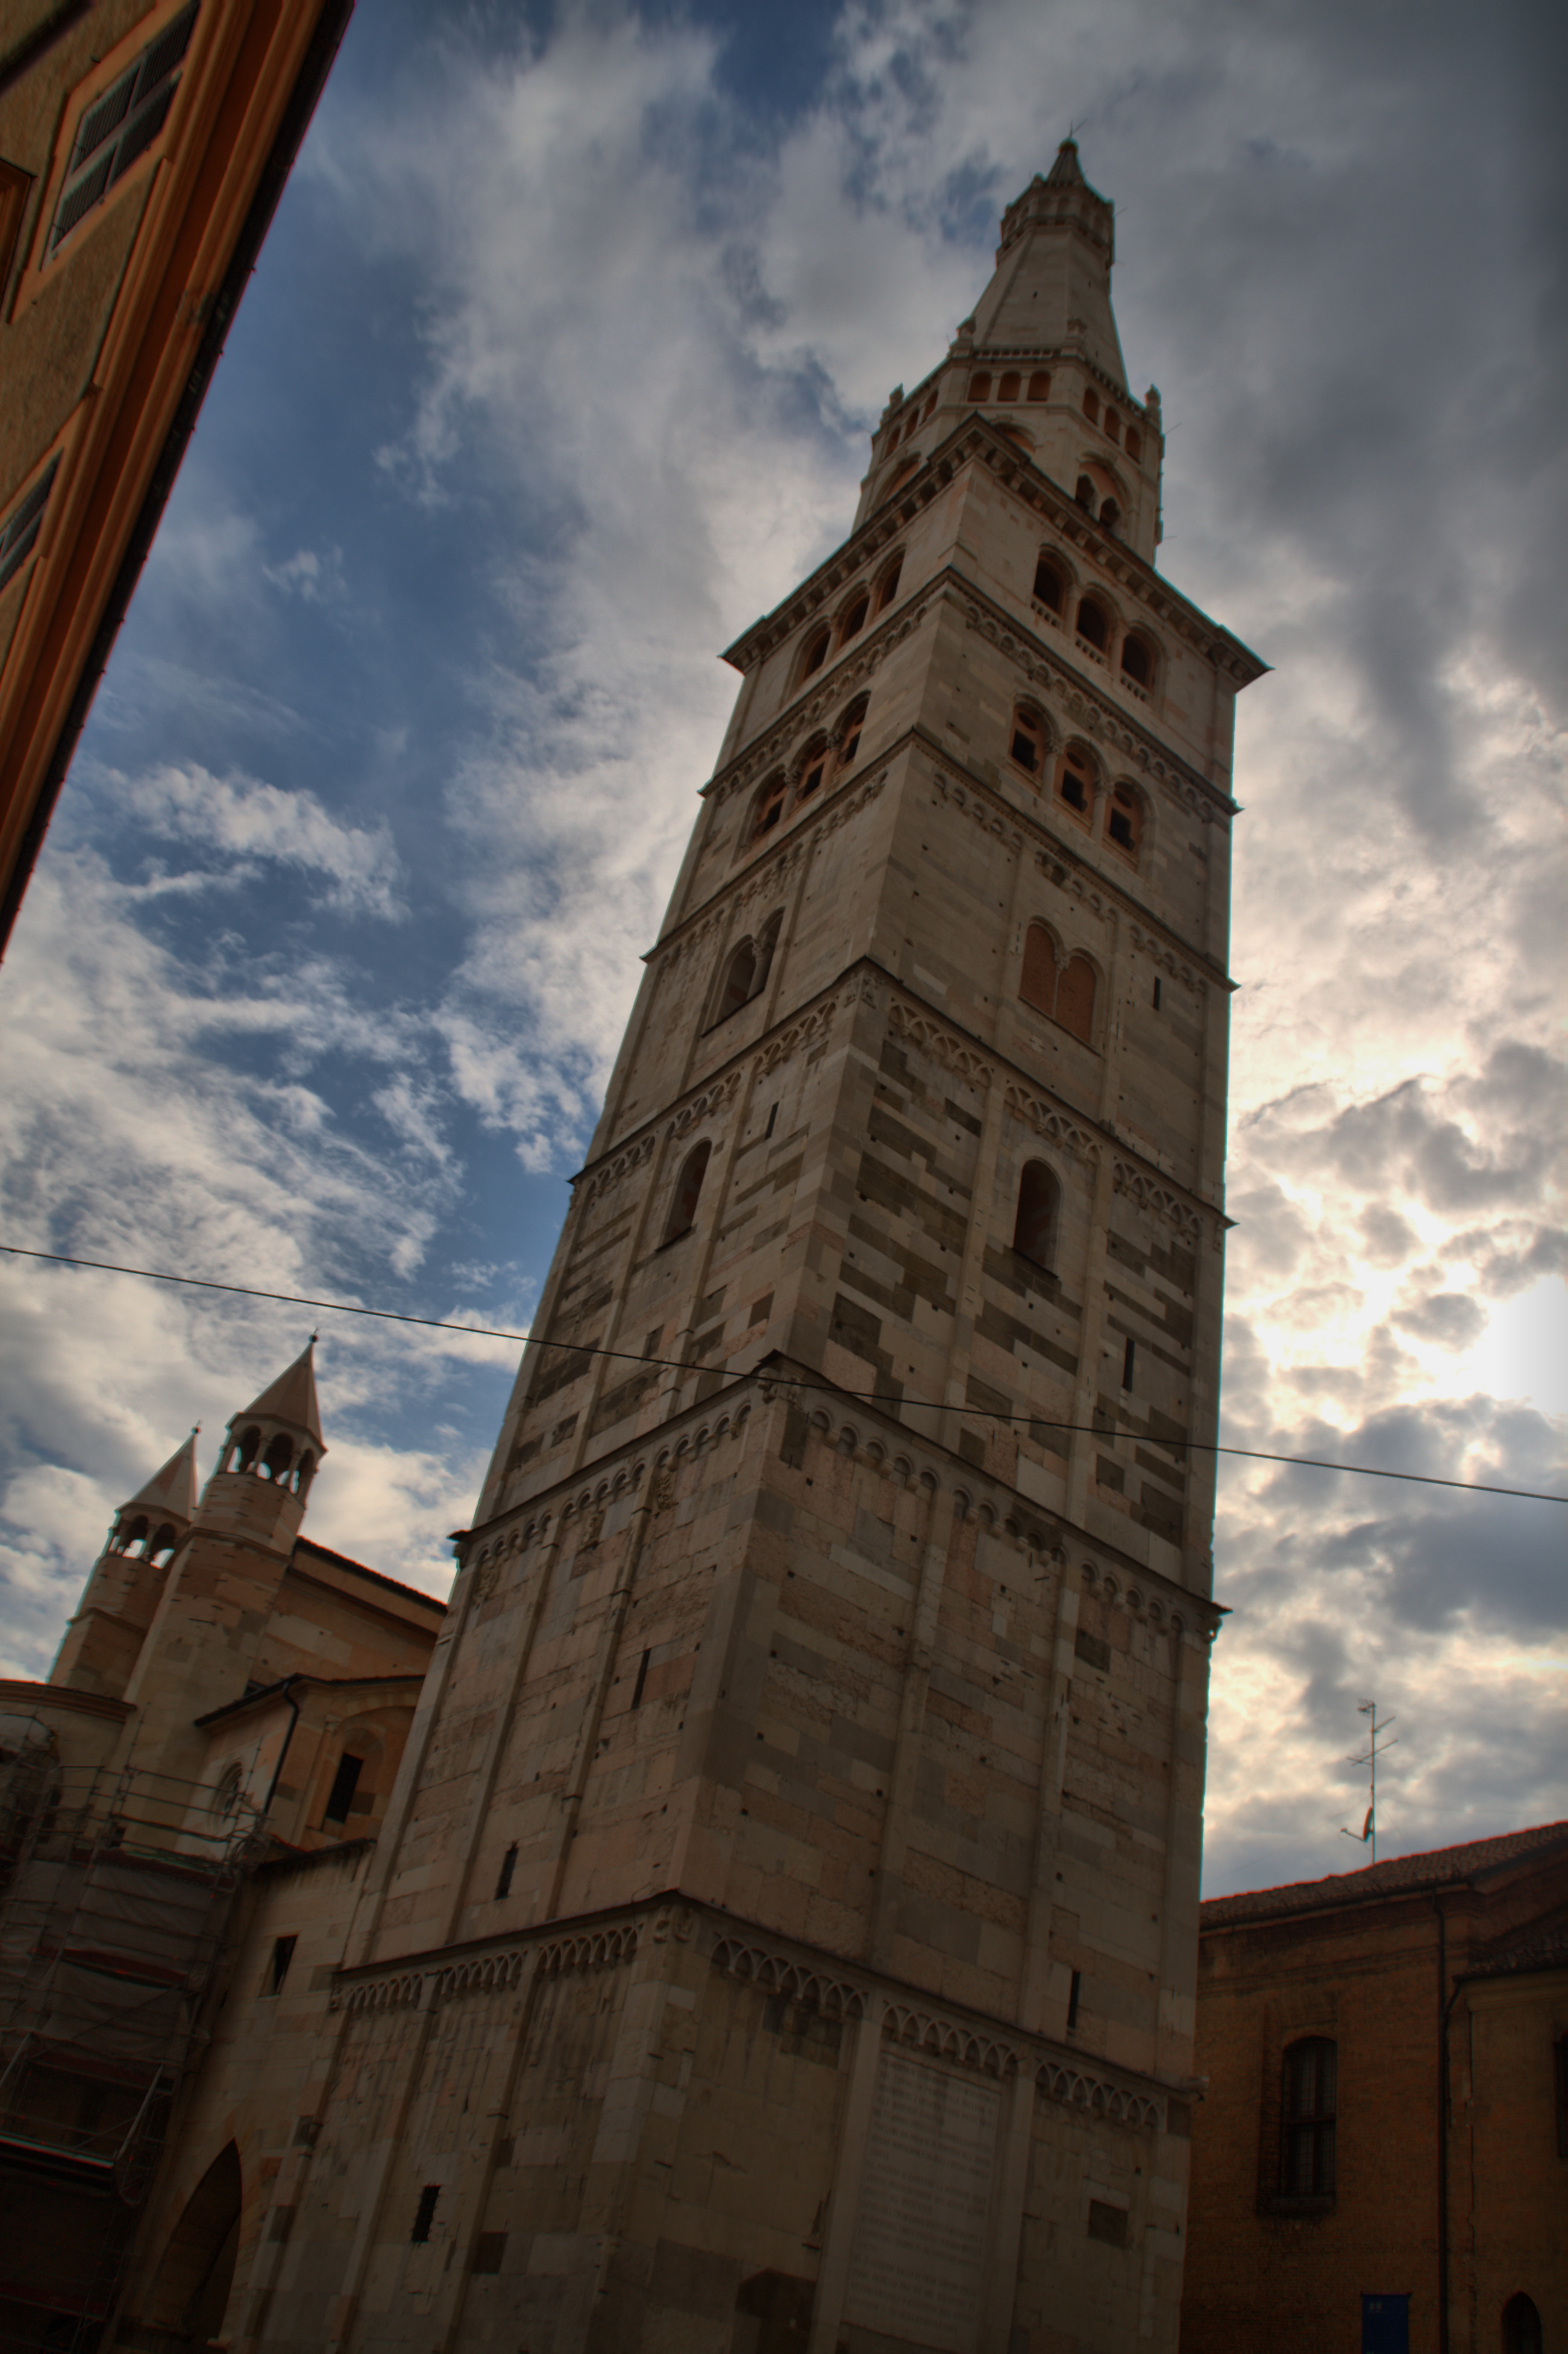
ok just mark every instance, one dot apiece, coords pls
pixel 792 1380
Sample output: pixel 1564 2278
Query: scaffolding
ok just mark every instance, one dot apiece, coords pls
pixel 116 1891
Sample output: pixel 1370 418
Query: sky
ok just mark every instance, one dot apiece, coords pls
pixel 558 371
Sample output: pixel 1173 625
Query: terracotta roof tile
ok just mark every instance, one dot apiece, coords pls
pixel 1439 1868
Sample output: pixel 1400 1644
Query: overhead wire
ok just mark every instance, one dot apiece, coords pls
pixel 792 1380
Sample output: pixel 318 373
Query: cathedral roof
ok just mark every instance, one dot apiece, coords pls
pixel 292 1398
pixel 173 1489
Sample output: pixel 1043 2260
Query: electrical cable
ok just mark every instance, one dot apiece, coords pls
pixel 790 1381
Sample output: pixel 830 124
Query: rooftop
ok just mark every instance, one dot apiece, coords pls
pixel 1402 1875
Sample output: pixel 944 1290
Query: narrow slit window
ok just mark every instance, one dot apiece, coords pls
pixel 278 1967
pixel 1157 994
pixel 1073 1993
pixel 503 1877
pixel 345 1783
pixel 688 1189
pixel 425 2213
pixel 120 124
pixel 642 1679
pixel 1128 1363
pixel 20 535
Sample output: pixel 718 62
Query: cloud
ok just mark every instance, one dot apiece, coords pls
pixel 255 822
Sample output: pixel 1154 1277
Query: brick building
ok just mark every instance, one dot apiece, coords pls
pixel 1385 2123
pixel 143 146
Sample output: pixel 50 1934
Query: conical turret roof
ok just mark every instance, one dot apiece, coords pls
pixel 292 1398
pixel 1052 286
pixel 172 1490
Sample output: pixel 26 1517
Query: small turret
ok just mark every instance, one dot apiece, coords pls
pixel 104 1637
pixel 271 1452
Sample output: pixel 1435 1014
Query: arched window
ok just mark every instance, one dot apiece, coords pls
pixel 813 769
pixel 1110 517
pixel 1034 1228
pixel 854 619
pixel 768 940
pixel 1113 426
pixel 980 385
pixel 736 986
pixel 1075 998
pixel 688 1188
pixel 1038 985
pixel 1085 495
pixel 1091 405
pixel 1307 2120
pixel 1075 780
pixel 247 1449
pixel 931 408
pixel 1050 586
pixel 1124 821
pixel 1027 748
pixel 304 1472
pixel 1011 385
pixel 1094 623
pixel 1040 384
pixel 136 1534
pixel 1521 2326
pixel 849 733
pixel 816 652
pixel 279 1456
pixel 1134 444
pixel 1137 661
pixel 887 587
pixel 161 1546
pixel 769 806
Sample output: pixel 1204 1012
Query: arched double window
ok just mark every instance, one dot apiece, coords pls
pixel 815 651
pixel 1137 659
pixel 848 746
pixel 1050 584
pixel 1065 992
pixel 1307 2118
pixel 853 619
pixel 1075 780
pixel 1034 1227
pixel 1091 405
pixel 1124 821
pixel 1026 745
pixel 813 769
pixel 1094 623
pixel 682 1212
pixel 736 988
pixel 1134 444
pixel 771 803
pixel 887 587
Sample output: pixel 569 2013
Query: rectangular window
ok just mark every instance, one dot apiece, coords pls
pixel 122 123
pixel 503 1877
pixel 278 1969
pixel 345 1782
pixel 18 534
pixel 1306 2135
pixel 1073 1993
pixel 1108 2223
pixel 642 1679
pixel 1128 1363
pixel 425 2213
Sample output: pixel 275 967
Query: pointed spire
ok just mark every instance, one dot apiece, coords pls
pixel 173 1490
pixel 292 1398
pixel 1066 172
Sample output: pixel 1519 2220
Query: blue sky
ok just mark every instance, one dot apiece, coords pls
pixel 558 371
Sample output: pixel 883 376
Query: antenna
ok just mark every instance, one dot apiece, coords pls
pixel 1368 1757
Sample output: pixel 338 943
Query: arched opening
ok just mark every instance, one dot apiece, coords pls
pixel 1124 821
pixel 1110 517
pixel 136 1534
pixel 1075 780
pixel 769 806
pixel 688 1189
pixel 247 1450
pixel 1521 2326
pixel 1040 384
pixel 816 652
pixel 887 587
pixel 1094 623
pixel 1037 986
pixel 1307 2118
pixel 279 1456
pixel 736 988
pixel 162 1544
pixel 854 619
pixel 849 733
pixel 1050 586
pixel 1034 1228
pixel 1026 748
pixel 1091 405
pixel 1137 661
pixel 1085 494
pixel 1113 426
pixel 1009 387
pixel 980 385
pixel 1133 445
pixel 1075 998
pixel 767 941
pixel 812 769
pixel 191 2285
pixel 304 1472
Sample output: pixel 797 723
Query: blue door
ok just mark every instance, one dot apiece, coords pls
pixel 1386 2324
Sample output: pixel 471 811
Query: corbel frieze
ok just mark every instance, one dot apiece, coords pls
pixel 933 1038
pixel 768 879
pixel 1161 1201
pixel 495 1973
pixel 1158 952
pixel 1047 1120
pixel 976 806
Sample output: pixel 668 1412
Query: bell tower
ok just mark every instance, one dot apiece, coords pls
pixel 100 1643
pixel 794 1868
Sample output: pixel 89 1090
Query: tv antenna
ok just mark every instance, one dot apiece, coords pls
pixel 1368 1757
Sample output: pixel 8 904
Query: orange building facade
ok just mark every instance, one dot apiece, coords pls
pixel 1380 2159
pixel 142 152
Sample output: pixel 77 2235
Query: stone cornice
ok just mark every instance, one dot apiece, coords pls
pixel 907 2015
pixel 976 437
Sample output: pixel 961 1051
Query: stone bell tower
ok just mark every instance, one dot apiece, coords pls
pixel 784 1928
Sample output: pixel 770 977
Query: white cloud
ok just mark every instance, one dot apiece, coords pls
pixel 255 822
